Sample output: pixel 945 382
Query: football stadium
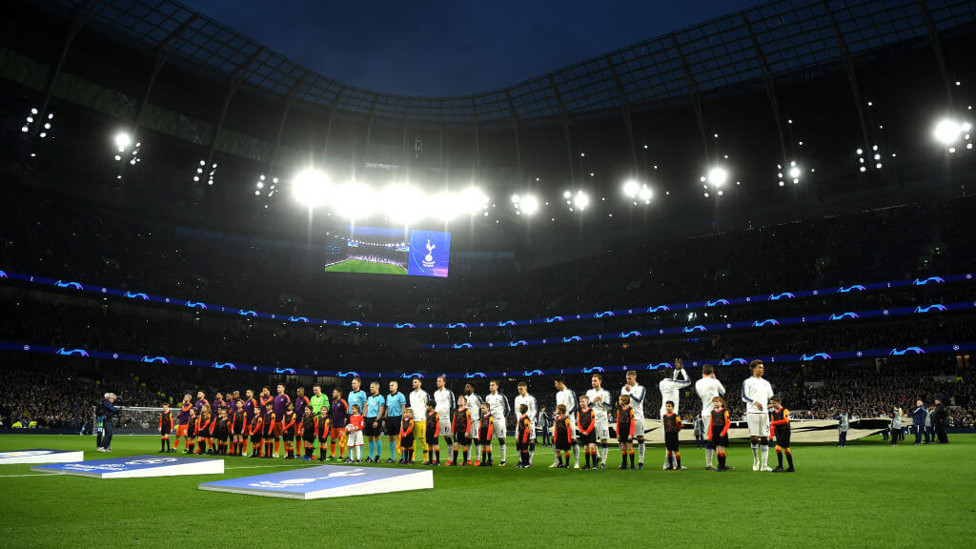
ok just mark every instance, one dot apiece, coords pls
pixel 255 292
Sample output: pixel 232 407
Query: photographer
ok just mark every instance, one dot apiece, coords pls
pixel 105 414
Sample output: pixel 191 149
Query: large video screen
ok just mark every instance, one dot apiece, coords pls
pixel 380 250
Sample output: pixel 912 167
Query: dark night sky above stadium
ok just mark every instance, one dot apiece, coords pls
pixel 445 47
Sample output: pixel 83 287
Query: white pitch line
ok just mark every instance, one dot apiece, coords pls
pixel 31 475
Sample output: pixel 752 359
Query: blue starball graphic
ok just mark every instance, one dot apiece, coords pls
pixel 457 325
pixel 155 359
pixel 404 325
pixel 506 323
pixel 224 365
pixel 732 362
pixel 413 375
pixel 347 374
pixel 572 339
pixel 784 295
pixel 844 316
pixel 931 279
pixel 352 323
pixel 717 302
pixel 907 351
pixel 936 307
pixel 75 285
pixel 551 319
pixel 475 375
pixel 137 295
pixel 767 322
pixel 658 309
pixel 72 352
pixel 3 274
pixel 658 366
pixel 249 313
pixel 196 304
pixel 854 288
pixel 692 329
pixel 633 333
pixel 603 314
pixel 815 356
pixel 593 370
pixel 285 371
pixel 518 343
pixel 297 319
pixel 529 373
pixel 463 346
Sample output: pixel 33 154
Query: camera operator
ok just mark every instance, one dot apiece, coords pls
pixel 106 412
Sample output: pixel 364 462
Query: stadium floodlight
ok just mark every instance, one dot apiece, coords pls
pixel 444 206
pixel 581 200
pixel 122 140
pixel 311 188
pixel 529 204
pixel 717 176
pixel 355 200
pixel 631 188
pixel 947 131
pixel 472 200
pixel 402 203
pixel 645 194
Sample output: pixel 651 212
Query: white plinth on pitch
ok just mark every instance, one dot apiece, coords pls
pixel 137 467
pixel 40 455
pixel 327 481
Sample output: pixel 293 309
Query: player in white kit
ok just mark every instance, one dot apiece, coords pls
pixel 708 387
pixel 671 387
pixel 566 397
pixel 473 404
pixel 602 403
pixel 525 398
pixel 444 405
pixel 756 393
pixel 498 404
pixel 636 393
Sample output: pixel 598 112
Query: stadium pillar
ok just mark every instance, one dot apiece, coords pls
pixel 626 111
pixel 565 118
pixel 695 97
pixel 849 69
pixel 165 48
pixel 515 131
pixel 78 19
pixel 770 86
pixel 937 49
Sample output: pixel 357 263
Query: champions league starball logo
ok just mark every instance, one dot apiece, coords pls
pixel 428 261
pixel 295 482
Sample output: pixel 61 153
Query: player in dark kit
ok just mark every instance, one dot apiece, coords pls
pixel 780 428
pixel 238 430
pixel 307 431
pixel 433 427
pixel 625 431
pixel 586 424
pixel 203 429
pixel 270 426
pixel 256 429
pixel 672 426
pixel 191 430
pixel 523 436
pixel 339 410
pixel 288 430
pixel 221 430
pixel 718 431
pixel 165 426
pixel 486 428
pixel 406 436
pixel 183 422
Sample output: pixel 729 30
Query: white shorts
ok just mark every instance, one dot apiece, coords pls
pixel 638 427
pixel 445 428
pixel 601 430
pixel 758 424
pixel 354 438
pixel 500 428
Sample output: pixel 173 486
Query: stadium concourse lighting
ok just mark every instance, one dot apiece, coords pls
pixel 122 140
pixel 311 188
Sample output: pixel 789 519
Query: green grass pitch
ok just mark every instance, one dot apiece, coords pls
pixel 866 495
pixel 360 266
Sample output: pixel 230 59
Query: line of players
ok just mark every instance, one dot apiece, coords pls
pixel 470 423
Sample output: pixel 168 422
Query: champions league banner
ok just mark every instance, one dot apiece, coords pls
pixel 40 455
pixel 136 467
pixel 430 253
pixel 326 481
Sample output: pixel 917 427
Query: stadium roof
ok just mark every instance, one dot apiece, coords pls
pixel 772 39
